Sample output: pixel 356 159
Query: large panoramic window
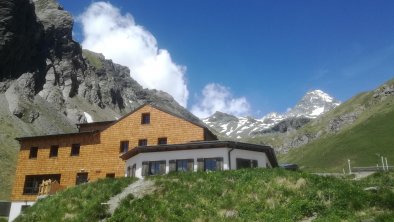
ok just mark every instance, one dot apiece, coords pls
pixel 210 164
pixel 181 165
pixel 153 167
pixel 33 152
pixel 32 182
pixel 246 163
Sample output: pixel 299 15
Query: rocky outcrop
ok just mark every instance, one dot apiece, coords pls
pixel 287 125
pixel 384 91
pixel 38 57
pixel 338 122
pixel 21 39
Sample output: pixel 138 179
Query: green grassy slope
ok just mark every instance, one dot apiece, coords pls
pixel 80 203
pixel 363 105
pixel 242 195
pixel 371 135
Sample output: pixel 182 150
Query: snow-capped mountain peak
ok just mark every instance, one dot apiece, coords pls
pixel 320 94
pixel 313 104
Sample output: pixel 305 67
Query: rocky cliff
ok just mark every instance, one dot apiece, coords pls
pixel 48 83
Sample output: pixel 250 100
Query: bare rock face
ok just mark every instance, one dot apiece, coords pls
pixel 39 58
pixel 21 39
pixel 384 91
pixel 20 95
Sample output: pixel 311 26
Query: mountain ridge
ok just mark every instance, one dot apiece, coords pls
pixel 311 105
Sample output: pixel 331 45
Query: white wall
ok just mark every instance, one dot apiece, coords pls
pixel 173 155
pixel 16 208
pixel 195 154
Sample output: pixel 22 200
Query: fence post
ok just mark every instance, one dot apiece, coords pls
pixel 387 166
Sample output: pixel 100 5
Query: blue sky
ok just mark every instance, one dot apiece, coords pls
pixel 266 53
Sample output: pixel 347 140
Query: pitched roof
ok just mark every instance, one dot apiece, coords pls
pixel 269 151
pixel 55 135
pixel 163 110
pixel 158 108
pixel 110 123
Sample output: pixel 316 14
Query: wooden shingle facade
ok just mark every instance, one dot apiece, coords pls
pixel 95 151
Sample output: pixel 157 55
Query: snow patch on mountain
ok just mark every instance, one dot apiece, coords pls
pixel 88 117
pixel 317 111
pixel 313 104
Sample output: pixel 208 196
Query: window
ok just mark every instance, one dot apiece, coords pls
pixel 162 140
pixel 124 146
pixel 131 170
pixel 246 163
pixel 153 167
pixel 210 164
pixel 81 178
pixel 110 175
pixel 32 182
pixel 128 174
pixel 33 152
pixel 145 118
pixel 181 165
pixel 53 151
pixel 75 149
pixel 142 142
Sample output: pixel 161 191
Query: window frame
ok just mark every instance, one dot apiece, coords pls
pixel 51 153
pixel 122 148
pixel 33 153
pixel 251 163
pixel 159 165
pixel 110 175
pixel 202 164
pixel 162 141
pixel 143 142
pixel 79 181
pixel 206 160
pixel 145 118
pixel 32 182
pixel 184 163
pixel 74 148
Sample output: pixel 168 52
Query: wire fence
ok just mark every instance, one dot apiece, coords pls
pixel 372 169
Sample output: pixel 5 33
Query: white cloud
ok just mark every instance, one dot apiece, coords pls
pixel 119 38
pixel 216 97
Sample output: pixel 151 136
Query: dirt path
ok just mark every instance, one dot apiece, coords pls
pixel 138 189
